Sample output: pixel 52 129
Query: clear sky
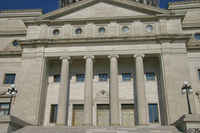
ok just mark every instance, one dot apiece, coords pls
pixel 46 5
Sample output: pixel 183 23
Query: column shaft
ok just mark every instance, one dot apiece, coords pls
pixel 88 91
pixel 63 111
pixel 141 104
pixel 114 91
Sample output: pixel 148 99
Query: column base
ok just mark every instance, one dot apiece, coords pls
pixel 59 124
pixel 88 125
pixel 115 125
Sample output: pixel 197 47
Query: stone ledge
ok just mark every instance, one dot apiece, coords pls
pixel 106 39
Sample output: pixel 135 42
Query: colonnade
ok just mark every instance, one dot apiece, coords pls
pixel 140 100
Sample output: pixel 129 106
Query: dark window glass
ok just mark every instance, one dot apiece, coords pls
pixel 125 29
pixel 80 77
pixel 56 78
pixel 78 31
pixel 102 30
pixel 153 113
pixel 126 76
pixel 53 113
pixel 15 43
pixel 199 73
pixel 4 108
pixel 149 28
pixel 197 36
pixel 103 77
pixel 56 32
pixel 150 76
pixel 9 78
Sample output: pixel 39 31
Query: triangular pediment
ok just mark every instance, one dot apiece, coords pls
pixel 103 9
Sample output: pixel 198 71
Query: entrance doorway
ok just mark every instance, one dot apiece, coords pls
pixel 103 115
pixel 78 115
pixel 127 114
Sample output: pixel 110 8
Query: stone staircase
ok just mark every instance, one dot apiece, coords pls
pixel 137 129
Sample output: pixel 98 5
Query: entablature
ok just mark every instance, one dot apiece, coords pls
pixel 158 38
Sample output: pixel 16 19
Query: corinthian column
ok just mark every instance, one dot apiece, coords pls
pixel 114 91
pixel 141 104
pixel 88 91
pixel 63 104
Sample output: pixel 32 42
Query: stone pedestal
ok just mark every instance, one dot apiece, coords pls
pixel 189 123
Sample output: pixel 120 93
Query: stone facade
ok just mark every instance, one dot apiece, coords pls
pixel 93 38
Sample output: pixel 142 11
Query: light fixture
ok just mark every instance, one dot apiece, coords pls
pixel 12 92
pixel 187 89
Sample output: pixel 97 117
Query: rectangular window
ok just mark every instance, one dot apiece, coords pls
pixel 103 77
pixel 126 76
pixel 153 113
pixel 80 77
pixel 9 78
pixel 4 108
pixel 199 74
pixel 56 78
pixel 53 113
pixel 150 76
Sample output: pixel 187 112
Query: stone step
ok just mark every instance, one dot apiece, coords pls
pixel 139 129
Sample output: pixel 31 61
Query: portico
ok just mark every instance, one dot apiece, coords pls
pixel 116 64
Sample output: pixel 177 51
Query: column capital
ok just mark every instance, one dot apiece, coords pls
pixel 88 56
pixel 139 55
pixel 65 58
pixel 113 56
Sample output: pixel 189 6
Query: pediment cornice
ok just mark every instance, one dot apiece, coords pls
pixel 103 19
pixel 86 3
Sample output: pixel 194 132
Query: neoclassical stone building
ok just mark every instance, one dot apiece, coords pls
pixel 100 63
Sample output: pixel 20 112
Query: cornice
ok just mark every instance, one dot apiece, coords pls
pixel 179 5
pixel 171 38
pixel 12 33
pixel 20 13
pixel 191 25
pixel 7 53
pixel 103 19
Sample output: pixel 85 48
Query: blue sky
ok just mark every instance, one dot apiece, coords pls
pixel 46 5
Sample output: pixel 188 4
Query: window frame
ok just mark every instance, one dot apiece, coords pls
pixel 150 78
pixel 125 78
pixel 101 79
pixel 7 81
pixel 53 113
pixel 155 111
pixel 197 36
pixel 82 76
pixel 55 80
pixel 4 109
